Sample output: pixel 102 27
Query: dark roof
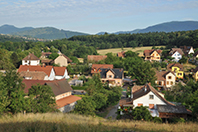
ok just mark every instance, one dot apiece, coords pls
pixel 68 59
pixel 186 49
pixel 59 86
pixel 195 54
pixel 118 73
pixel 31 57
pixel 195 70
pixel 172 109
pixel 169 66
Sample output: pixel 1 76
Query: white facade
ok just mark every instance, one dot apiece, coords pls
pixel 191 51
pixel 145 100
pixel 31 62
pixel 68 108
pixel 170 79
pixel 177 56
pixel 66 76
pixel 52 75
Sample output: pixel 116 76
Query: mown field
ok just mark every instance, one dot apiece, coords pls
pixel 139 50
pixel 58 122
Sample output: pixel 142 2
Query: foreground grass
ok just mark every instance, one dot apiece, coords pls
pixel 139 50
pixel 76 123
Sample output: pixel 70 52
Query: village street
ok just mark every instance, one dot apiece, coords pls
pixel 112 112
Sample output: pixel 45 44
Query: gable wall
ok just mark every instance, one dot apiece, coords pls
pixel 170 82
pixel 61 60
pixel 146 101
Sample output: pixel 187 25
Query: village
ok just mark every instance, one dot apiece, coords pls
pixel 41 71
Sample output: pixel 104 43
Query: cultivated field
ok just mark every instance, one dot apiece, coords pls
pixel 58 122
pixel 139 50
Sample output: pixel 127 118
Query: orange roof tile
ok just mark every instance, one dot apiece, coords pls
pixel 46 69
pixel 67 100
pixel 96 57
pixel 59 71
pixel 121 54
pixel 96 67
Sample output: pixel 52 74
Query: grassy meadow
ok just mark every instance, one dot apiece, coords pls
pixel 139 50
pixel 58 122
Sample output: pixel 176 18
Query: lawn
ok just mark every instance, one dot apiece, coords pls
pixel 139 50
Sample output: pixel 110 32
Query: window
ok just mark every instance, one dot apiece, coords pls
pixel 151 97
pixel 160 83
pixel 167 82
pixel 151 106
pixel 140 104
pixel 171 82
pixel 169 77
pixel 110 76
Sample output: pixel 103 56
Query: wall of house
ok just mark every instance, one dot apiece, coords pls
pixel 63 95
pixel 61 60
pixel 68 107
pixel 191 51
pixel 170 80
pixel 146 101
pixel 158 83
pixel 31 62
pixel 196 76
pixel 177 56
pixel 109 75
pixel 155 56
pixel 52 75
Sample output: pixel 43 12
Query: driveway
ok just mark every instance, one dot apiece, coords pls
pixel 112 112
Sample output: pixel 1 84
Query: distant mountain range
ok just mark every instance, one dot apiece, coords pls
pixel 164 27
pixel 42 33
pixel 54 33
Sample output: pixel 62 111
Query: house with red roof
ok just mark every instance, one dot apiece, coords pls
pixel 51 72
pixel 62 90
pixel 31 59
pixel 157 105
pixel 152 55
pixel 96 68
pixel 121 54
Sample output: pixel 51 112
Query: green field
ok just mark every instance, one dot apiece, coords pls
pixel 139 50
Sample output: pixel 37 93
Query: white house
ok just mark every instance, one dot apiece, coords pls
pixel 157 105
pixel 176 53
pixel 31 59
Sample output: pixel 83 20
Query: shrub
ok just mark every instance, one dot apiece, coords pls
pixel 157 120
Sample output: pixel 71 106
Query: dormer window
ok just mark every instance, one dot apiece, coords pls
pixel 110 76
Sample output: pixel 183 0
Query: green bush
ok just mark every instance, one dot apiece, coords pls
pixel 157 120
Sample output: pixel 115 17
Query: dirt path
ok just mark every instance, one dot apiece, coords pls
pixel 112 112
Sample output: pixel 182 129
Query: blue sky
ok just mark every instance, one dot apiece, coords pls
pixel 93 16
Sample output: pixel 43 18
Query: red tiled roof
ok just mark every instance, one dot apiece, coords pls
pixel 149 52
pixel 98 66
pixel 169 66
pixel 96 57
pixel 67 100
pixel 35 75
pixel 121 54
pixel 59 71
pixel 46 69
pixel 31 57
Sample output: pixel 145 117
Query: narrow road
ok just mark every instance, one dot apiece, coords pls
pixel 112 112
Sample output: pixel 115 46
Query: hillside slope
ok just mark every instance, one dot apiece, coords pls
pixel 8 29
pixel 76 123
